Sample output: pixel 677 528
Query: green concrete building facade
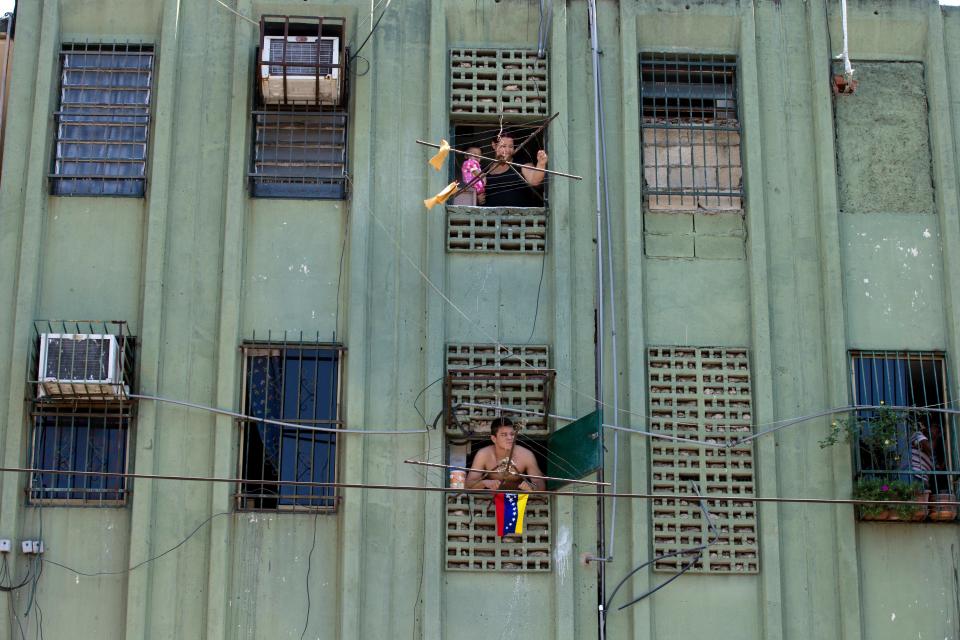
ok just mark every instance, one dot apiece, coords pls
pixel 772 246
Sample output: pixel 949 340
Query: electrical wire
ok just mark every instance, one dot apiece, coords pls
pixel 313 546
pixel 404 487
pixel 372 30
pixel 343 250
pixel 680 552
pixel 536 306
pixel 5 575
pixel 543 30
pixel 279 423
pixel 94 574
pixel 237 13
pixel 365 71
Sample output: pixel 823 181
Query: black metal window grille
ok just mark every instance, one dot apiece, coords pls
pixel 904 379
pixel 103 120
pixel 299 153
pixel 84 361
pixel 295 383
pixel 299 116
pixel 691 132
pixel 79 447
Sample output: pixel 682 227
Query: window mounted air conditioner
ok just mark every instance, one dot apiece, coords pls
pixel 311 76
pixel 80 365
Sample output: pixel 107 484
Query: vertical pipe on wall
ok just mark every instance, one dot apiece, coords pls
pixel 845 54
pixel 4 72
pixel 611 291
pixel 599 318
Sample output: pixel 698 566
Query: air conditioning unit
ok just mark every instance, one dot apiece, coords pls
pixel 85 365
pixel 310 70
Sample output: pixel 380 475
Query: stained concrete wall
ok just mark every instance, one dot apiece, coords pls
pixel 197 266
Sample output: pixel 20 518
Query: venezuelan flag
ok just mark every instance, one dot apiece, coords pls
pixel 510 508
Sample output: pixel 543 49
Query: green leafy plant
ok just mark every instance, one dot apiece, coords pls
pixel 879 490
pixel 873 489
pixel 905 490
pixel 875 433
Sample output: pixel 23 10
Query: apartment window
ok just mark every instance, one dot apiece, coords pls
pixel 78 447
pixel 902 379
pixel 497 96
pixel 691 132
pixel 513 376
pixel 80 412
pixel 103 120
pixel 297 384
pixel 299 115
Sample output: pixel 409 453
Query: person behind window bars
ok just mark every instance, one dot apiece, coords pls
pixel 921 458
pixel 508 186
pixel 503 464
pixel 470 172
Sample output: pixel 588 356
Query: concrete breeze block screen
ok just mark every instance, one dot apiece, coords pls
pixel 494 82
pixel 508 375
pixel 473 544
pixel 496 230
pixel 702 394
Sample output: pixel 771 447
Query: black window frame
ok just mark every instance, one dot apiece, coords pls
pixel 78 430
pixel 693 94
pixel 893 384
pixel 322 127
pixel 266 365
pixel 91 138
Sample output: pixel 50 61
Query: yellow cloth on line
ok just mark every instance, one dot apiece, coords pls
pixel 440 156
pixel 441 197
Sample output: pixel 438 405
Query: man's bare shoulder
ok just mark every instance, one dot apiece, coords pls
pixel 522 454
pixel 485 458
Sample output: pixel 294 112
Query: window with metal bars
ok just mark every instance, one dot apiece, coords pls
pixel 82 451
pixel 518 377
pixel 691 132
pixel 299 115
pixel 103 120
pixel 919 446
pixel 297 384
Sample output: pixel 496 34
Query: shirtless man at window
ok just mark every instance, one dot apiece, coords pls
pixel 504 464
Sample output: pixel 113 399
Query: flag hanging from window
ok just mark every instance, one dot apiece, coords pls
pixel 510 508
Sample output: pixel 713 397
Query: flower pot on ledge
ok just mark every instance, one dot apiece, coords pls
pixel 943 513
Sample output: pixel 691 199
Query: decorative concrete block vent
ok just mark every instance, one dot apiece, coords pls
pixel 496 230
pixel 692 168
pixel 510 375
pixel 473 545
pixel 494 82
pixel 702 394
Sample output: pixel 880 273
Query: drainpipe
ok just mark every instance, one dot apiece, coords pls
pixel 599 318
pixel 8 44
pixel 845 54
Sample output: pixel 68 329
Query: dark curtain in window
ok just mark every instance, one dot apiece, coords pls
pixel 297 385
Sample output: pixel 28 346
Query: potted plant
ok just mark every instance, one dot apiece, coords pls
pixel 871 489
pixel 940 512
pixel 876 433
pixel 912 491
pixel 883 446
pixel 880 490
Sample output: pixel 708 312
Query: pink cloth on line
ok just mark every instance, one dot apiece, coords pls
pixel 470 170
